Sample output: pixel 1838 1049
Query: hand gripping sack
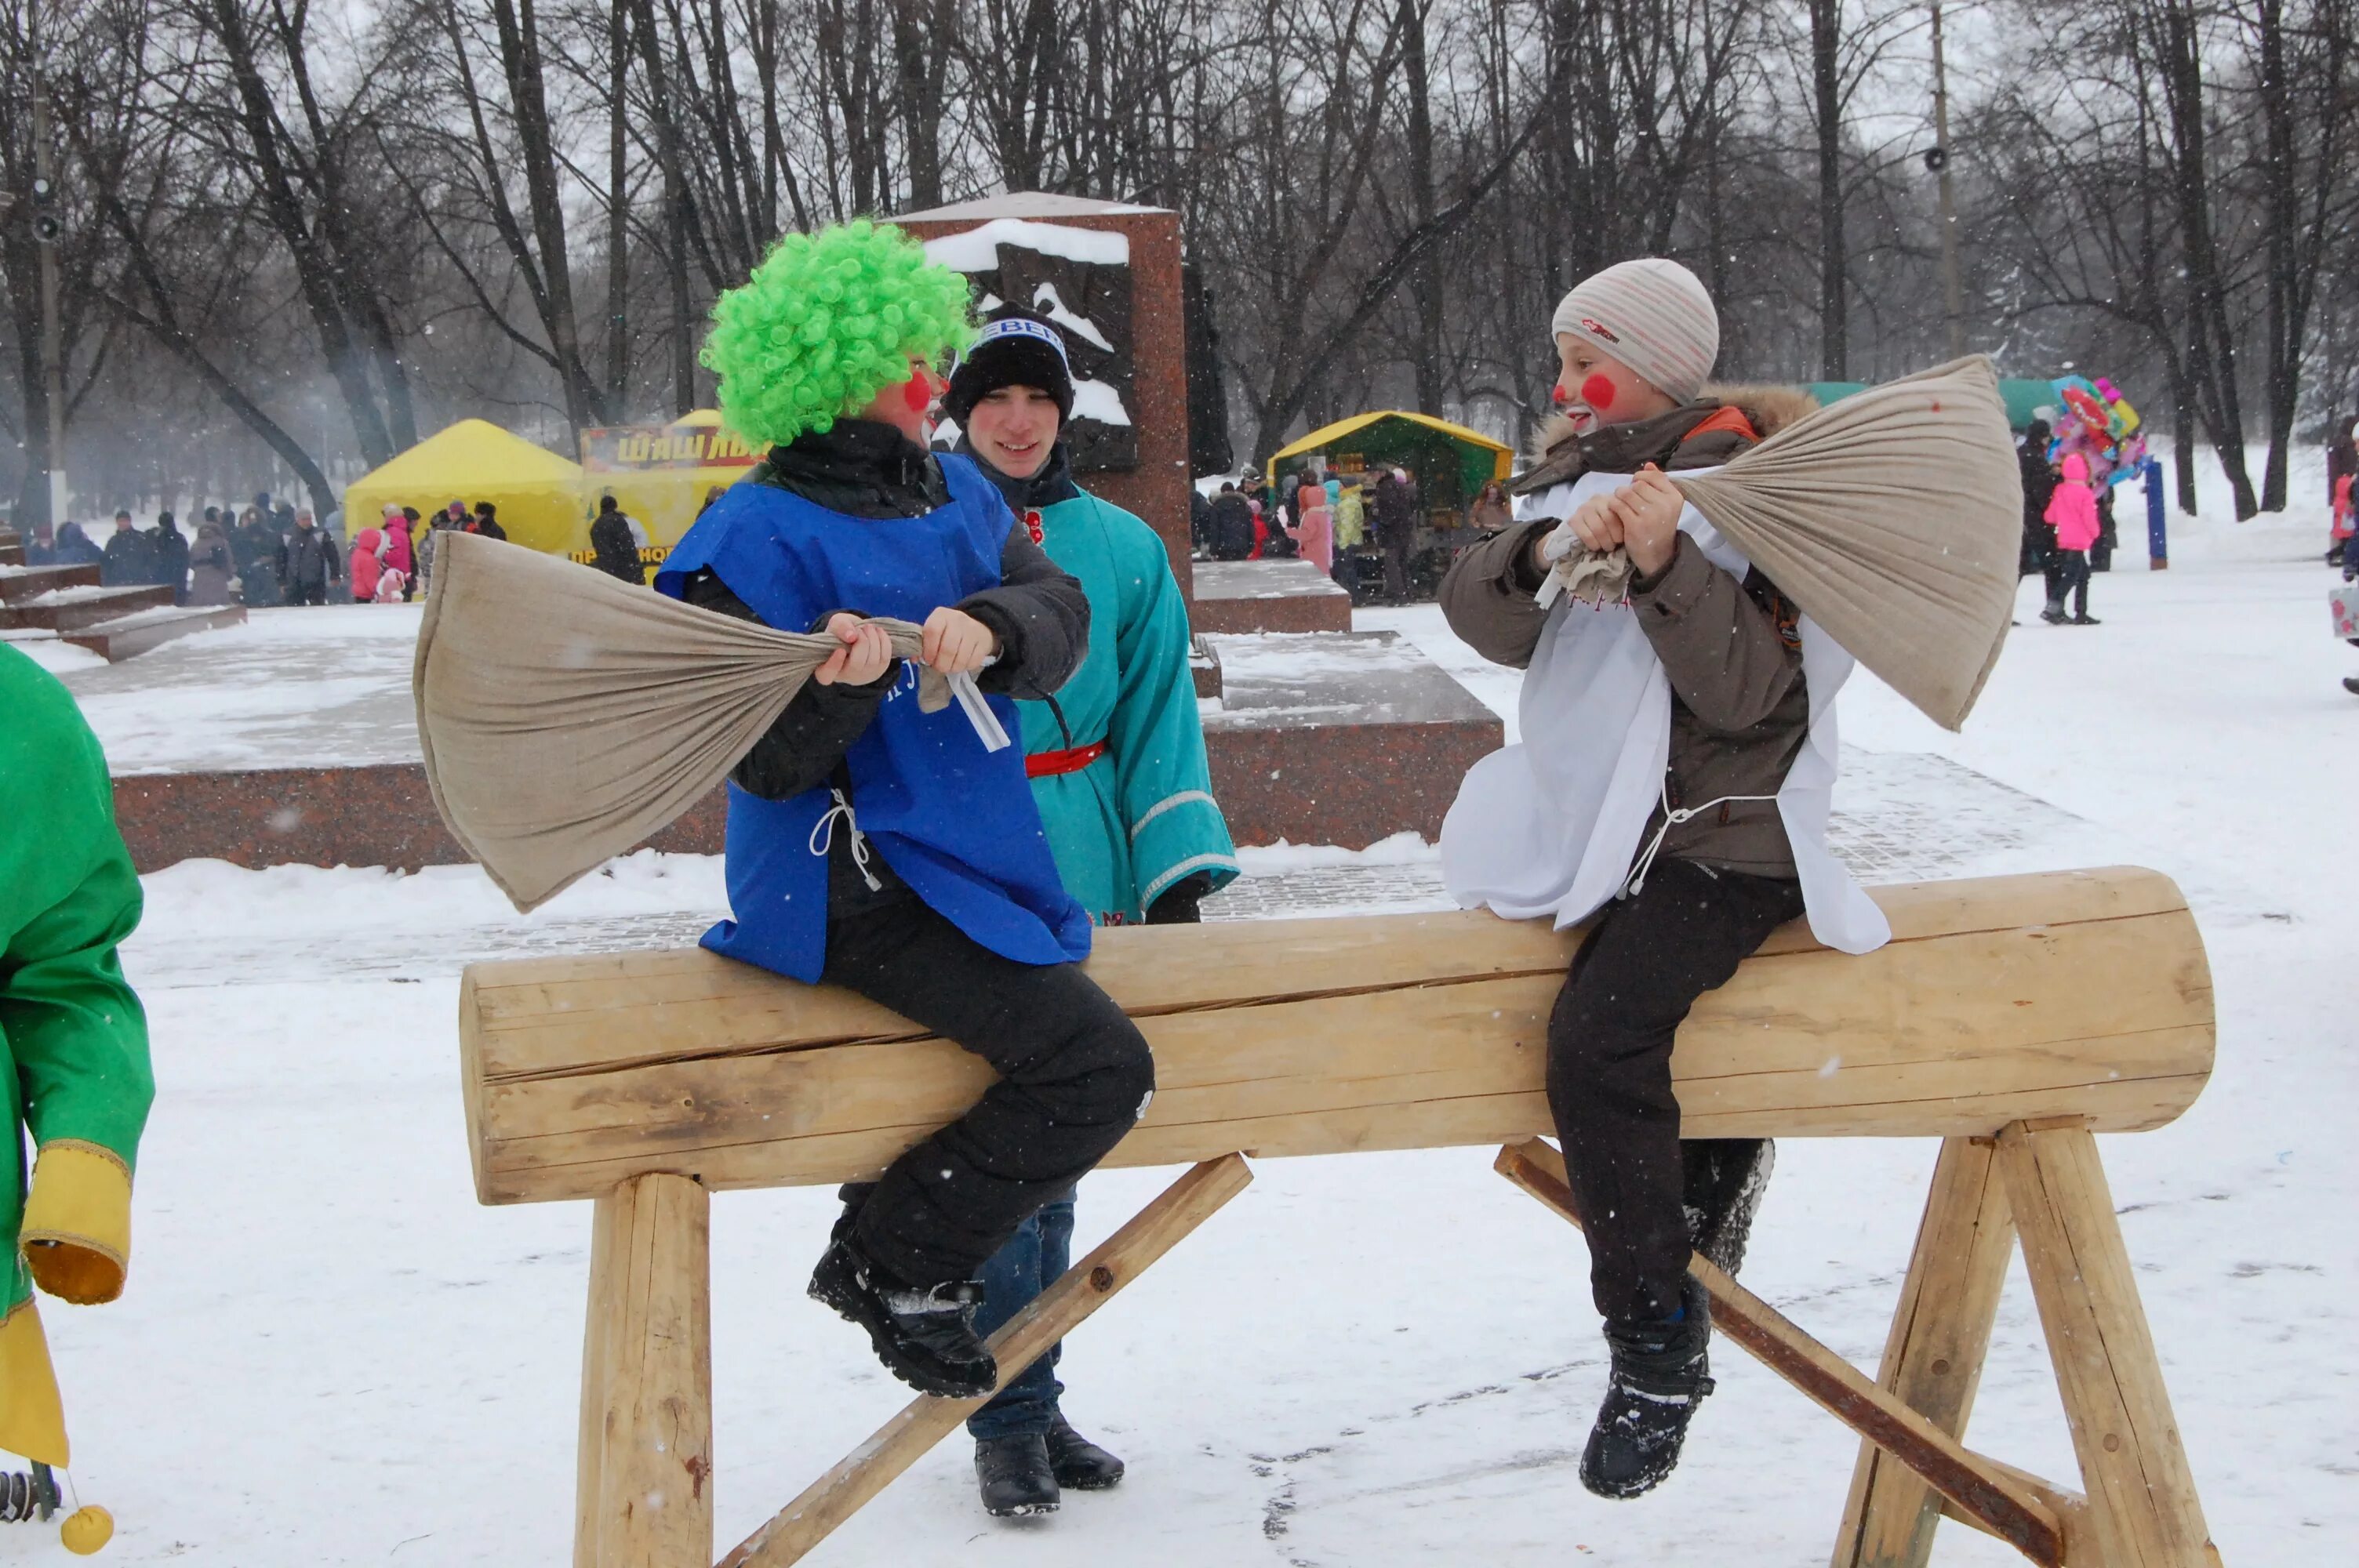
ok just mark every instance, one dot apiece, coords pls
pixel 566 715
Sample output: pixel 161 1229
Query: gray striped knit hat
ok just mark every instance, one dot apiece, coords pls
pixel 1653 316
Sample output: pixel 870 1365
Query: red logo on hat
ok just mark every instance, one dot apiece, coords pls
pixel 1032 526
pixel 1599 329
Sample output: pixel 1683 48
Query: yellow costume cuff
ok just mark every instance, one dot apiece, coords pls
pixel 77 1230
pixel 32 1420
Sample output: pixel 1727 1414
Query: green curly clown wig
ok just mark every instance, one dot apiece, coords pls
pixel 826 322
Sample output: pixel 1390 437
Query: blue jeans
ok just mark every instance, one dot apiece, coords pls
pixel 1041 1248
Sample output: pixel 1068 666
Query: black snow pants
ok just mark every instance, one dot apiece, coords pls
pixel 1074 1075
pixel 1609 1069
pixel 2072 577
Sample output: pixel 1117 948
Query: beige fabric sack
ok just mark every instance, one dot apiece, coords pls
pixel 1894 518
pixel 566 715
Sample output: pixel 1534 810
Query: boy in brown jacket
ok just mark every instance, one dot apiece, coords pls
pixel 1715 872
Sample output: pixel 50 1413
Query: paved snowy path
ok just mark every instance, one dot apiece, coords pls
pixel 331 1354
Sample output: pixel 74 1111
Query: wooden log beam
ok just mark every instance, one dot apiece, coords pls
pixel 1022 1340
pixel 648 1381
pixel 1988 1494
pixel 2143 1507
pixel 1933 1358
pixel 1325 1036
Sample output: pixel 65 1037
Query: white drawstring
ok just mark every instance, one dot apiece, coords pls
pixel 822 838
pixel 1638 882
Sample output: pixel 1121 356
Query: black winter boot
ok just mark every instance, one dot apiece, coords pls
pixel 1078 1463
pixel 2350 686
pixel 1014 1476
pixel 925 1336
pixel 2054 613
pixel 1724 1181
pixel 1660 1374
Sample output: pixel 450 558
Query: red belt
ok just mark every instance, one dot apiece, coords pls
pixel 1045 764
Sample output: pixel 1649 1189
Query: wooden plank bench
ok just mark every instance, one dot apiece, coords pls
pixel 2011 1017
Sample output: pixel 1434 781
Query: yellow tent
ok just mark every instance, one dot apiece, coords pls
pixel 661 476
pixel 537 492
pixel 1450 461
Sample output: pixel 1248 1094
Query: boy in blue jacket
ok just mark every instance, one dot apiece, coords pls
pixel 879 848
pixel 1117 764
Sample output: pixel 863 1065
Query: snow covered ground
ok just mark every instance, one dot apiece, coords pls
pixel 331 1354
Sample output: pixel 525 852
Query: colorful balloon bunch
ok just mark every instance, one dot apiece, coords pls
pixel 2095 420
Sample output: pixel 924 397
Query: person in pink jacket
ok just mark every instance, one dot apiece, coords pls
pixel 368 563
pixel 2072 510
pixel 396 528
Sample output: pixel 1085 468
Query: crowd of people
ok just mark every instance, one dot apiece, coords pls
pixel 1333 521
pixel 268 553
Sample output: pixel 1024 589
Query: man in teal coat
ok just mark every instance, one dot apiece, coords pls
pixel 1118 766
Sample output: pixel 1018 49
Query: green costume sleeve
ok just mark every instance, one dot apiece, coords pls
pixel 74 1032
pixel 1155 735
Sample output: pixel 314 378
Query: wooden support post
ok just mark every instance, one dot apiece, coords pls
pixel 901 1441
pixel 1988 1495
pixel 590 1454
pixel 645 1465
pixel 2143 1508
pixel 1933 1359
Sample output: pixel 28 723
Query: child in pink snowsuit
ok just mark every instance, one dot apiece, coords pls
pixel 2072 510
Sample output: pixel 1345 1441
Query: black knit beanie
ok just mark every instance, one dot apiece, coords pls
pixel 1016 348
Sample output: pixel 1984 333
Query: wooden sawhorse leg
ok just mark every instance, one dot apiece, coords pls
pixel 643 1488
pixel 1022 1340
pixel 2143 1508
pixel 2141 1511
pixel 1933 1359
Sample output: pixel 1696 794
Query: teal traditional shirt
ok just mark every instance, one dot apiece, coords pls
pixel 1141 817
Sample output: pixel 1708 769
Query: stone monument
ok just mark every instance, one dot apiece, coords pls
pixel 1109 275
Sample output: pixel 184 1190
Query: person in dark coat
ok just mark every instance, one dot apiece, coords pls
pixel 307 563
pixel 253 547
pixel 130 559
pixel 487 521
pixel 75 547
pixel 1233 524
pixel 41 547
pixel 2038 484
pixel 612 550
pixel 1199 521
pixel 172 557
pixel 1396 530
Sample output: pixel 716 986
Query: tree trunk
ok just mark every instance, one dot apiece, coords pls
pixel 1826 51
pixel 519 33
pixel 676 210
pixel 1425 281
pixel 915 54
pixel 618 207
pixel 2212 364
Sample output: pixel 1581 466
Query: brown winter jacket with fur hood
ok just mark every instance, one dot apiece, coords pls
pixel 1733 649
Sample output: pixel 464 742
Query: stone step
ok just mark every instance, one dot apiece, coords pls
pixel 21 582
pixel 71 608
pixel 129 635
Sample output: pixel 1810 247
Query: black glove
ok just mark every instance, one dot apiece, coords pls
pixel 1176 905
